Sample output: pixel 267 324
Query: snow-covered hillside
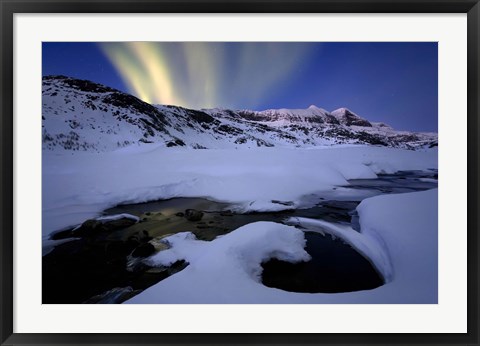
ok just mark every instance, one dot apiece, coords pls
pixel 85 116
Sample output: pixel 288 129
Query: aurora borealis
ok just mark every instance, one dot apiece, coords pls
pixel 204 75
pixel 391 82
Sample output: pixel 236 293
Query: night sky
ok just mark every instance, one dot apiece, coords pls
pixel 395 83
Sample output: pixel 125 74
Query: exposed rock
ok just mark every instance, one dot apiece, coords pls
pixel 117 224
pixel 144 250
pixel 62 234
pixel 167 271
pixel 193 215
pixel 348 118
pixel 79 84
pixel 93 227
pixel 139 237
pixel 88 228
pixel 176 143
pixel 199 116
pixel 114 296
pixel 226 213
pixel 159 244
pixel 285 203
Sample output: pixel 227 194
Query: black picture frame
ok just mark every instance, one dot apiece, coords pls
pixel 9 7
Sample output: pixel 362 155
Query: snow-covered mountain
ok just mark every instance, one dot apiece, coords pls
pixel 86 116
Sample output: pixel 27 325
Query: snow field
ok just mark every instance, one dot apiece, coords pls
pixel 77 187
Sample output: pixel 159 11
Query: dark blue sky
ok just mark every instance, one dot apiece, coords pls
pixel 395 83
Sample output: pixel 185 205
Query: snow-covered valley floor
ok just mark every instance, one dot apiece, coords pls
pixel 398 231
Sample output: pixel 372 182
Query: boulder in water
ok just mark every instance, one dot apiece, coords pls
pixel 193 215
pixel 92 227
pixel 88 228
pixel 143 250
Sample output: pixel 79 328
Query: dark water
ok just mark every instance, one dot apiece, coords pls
pixel 98 267
pixel 334 267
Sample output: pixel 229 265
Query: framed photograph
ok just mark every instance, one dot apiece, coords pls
pixel 239 173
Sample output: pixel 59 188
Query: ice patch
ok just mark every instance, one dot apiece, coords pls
pixel 264 206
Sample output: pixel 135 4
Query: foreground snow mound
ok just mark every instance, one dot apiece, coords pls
pixel 406 225
pixel 226 270
pixel 399 235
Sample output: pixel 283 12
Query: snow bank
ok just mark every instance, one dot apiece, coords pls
pixel 78 186
pixel 104 219
pixel 406 225
pixel 399 235
pixel 224 270
pixel 118 217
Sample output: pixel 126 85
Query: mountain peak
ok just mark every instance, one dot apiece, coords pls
pixel 347 117
pixel 78 84
pixel 342 110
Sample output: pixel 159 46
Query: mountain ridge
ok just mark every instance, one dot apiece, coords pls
pixel 81 115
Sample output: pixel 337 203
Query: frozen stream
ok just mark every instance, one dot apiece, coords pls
pixel 98 267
